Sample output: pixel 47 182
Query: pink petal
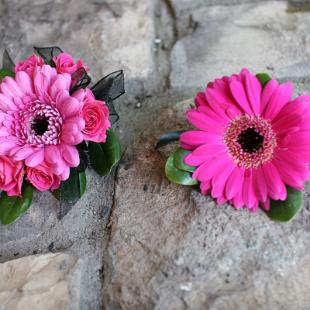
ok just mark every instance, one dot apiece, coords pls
pixel 6 103
pixel 200 99
pixel 266 205
pixel 206 171
pixel 52 154
pixel 66 173
pixel 249 195
pixel 69 107
pixel 35 159
pixel 220 178
pixel 24 82
pixel 202 153
pixel 71 155
pixel 7 145
pixel 195 137
pixel 9 86
pixel 275 185
pixel 205 187
pixel 62 81
pixel 22 152
pixel 217 102
pixel 201 122
pixel 267 93
pixel 253 89
pixel 279 99
pixel 292 176
pixel 79 94
pixel 234 183
pixel 260 184
pixel 240 96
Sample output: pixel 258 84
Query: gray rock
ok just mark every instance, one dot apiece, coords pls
pixel 264 37
pixel 165 247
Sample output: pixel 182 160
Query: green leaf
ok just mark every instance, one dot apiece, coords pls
pixel 284 211
pixel 4 73
pixel 264 78
pixel 104 156
pixel 178 160
pixel 12 207
pixel 178 176
pixel 71 190
pixel 82 177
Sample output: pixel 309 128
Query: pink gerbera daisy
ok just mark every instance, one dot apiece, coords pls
pixel 40 121
pixel 250 141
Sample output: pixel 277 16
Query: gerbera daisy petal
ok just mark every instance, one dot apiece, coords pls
pixel 22 153
pixel 24 82
pixel 234 181
pixel 201 122
pixel 197 138
pixel 6 103
pixel 240 96
pixel 35 158
pixel 200 99
pixel 260 184
pixel 267 93
pixel 220 178
pixel 205 187
pixel 249 194
pixel 202 153
pixel 254 89
pixel 9 86
pixel 279 99
pixel 275 185
pixel 206 171
pixel 71 155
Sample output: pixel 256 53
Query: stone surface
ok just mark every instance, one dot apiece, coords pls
pixel 172 248
pixel 165 247
pixel 108 35
pixel 264 37
pixel 80 232
pixel 40 282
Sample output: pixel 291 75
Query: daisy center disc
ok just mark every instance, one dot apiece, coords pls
pixel 40 125
pixel 250 141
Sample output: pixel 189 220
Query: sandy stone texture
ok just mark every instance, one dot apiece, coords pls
pixel 38 282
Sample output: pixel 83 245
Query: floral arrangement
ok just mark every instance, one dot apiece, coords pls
pixel 52 126
pixel 250 145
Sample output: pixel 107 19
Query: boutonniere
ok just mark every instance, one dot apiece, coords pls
pixel 249 146
pixel 53 124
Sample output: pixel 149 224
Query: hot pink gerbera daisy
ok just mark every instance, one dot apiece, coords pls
pixel 40 120
pixel 251 142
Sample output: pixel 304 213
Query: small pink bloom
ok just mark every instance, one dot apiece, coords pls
pixel 42 177
pixel 65 64
pixel 96 117
pixel 29 64
pixel 11 176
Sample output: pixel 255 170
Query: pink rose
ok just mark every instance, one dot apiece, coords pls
pixel 11 176
pixel 29 64
pixel 96 117
pixel 42 177
pixel 65 64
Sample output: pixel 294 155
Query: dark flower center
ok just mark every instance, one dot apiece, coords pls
pixel 40 125
pixel 250 140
